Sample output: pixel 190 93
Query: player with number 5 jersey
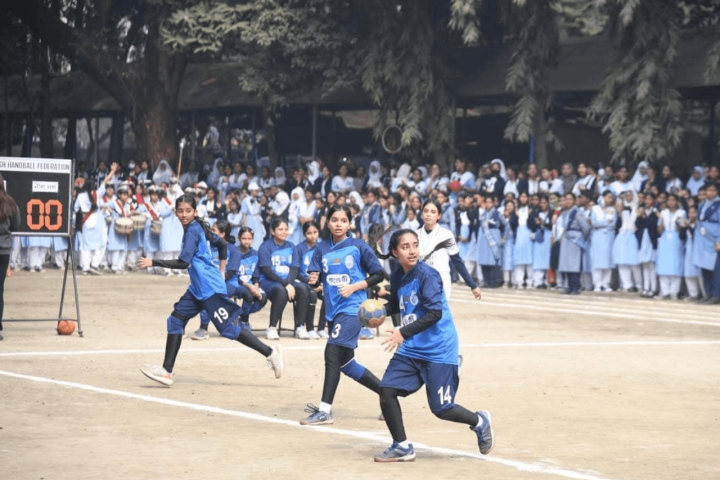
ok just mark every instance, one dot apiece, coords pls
pixel 427 351
pixel 207 291
pixel 347 267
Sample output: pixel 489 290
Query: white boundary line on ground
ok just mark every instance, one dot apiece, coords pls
pixel 610 343
pixel 634 316
pixel 380 439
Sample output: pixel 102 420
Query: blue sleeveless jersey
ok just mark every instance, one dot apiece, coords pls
pixel 417 292
pixel 347 262
pixel 205 278
pixel 279 257
pixel 304 255
pixel 247 270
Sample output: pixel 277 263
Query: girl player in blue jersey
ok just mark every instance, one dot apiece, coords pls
pixel 427 351
pixel 279 267
pixel 304 251
pixel 238 270
pixel 207 291
pixel 347 267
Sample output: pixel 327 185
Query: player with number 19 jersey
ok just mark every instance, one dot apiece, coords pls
pixel 344 263
pixel 205 278
pixel 439 343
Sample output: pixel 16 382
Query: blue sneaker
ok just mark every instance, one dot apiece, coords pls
pixel 396 453
pixel 366 334
pixel 485 436
pixel 316 417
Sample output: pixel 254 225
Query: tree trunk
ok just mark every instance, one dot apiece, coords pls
pixel 147 90
pixel 540 131
pixel 270 135
pixel 47 149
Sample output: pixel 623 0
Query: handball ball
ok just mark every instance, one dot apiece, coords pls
pixel 371 313
pixel 65 327
pixel 455 186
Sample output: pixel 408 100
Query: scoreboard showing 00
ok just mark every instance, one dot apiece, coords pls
pixel 42 189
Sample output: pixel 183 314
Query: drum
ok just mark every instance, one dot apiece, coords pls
pixel 138 222
pixel 123 226
pixel 156 227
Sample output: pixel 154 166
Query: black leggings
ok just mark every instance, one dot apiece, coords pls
pixel 4 262
pixel 279 298
pixel 392 412
pixel 336 357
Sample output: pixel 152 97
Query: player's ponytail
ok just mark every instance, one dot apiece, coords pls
pixel 226 229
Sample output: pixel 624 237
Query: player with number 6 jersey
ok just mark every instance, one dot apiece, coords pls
pixel 347 267
pixel 427 351
pixel 207 291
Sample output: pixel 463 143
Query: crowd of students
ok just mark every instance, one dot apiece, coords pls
pixel 649 232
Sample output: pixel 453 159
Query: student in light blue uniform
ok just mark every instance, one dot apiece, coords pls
pixel 670 248
pixel 488 245
pixel 625 249
pixel 692 274
pixel 427 352
pixel 603 219
pixel 707 242
pixel 207 291
pixel 171 234
pixel 646 224
pixel 573 242
pixel 523 247
pixel 252 216
pixel 510 222
pixel 347 267
pixel 540 223
pixel 279 267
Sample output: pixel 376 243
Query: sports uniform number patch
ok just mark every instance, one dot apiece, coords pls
pixel 336 331
pixel 446 397
pixel 221 314
pixel 325 265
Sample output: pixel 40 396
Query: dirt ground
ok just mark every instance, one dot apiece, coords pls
pixel 589 387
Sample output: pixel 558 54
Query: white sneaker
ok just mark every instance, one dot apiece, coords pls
pixel 200 334
pixel 272 334
pixel 301 333
pixel 323 334
pixel 313 335
pixel 275 361
pixel 157 373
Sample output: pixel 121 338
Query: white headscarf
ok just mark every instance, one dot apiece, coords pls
pixel 503 172
pixel 281 202
pixel 694 185
pixel 163 174
pixel 375 174
pixel 313 171
pixel 357 197
pixel 280 178
pixel 638 177
pixel 217 171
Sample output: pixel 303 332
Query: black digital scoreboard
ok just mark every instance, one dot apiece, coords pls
pixel 42 188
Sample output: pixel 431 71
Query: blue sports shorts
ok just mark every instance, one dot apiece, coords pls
pixel 409 374
pixel 220 308
pixel 344 330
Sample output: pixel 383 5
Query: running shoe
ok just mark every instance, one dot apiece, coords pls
pixel 272 334
pixel 316 417
pixel 157 373
pixel 396 453
pixel 275 361
pixel 484 432
pixel 200 334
